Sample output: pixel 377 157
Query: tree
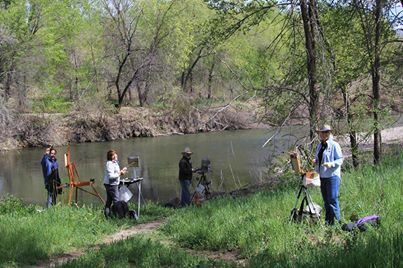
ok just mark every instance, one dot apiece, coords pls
pixel 136 37
pixel 377 33
pixel 254 12
pixel 344 37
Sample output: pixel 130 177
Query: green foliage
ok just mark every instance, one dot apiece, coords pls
pixel 235 46
pixel 51 104
pixel 14 206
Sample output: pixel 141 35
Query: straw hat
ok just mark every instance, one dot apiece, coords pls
pixel 187 151
pixel 324 128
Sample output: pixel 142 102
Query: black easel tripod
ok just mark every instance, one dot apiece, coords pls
pixel 205 184
pixel 297 214
pixel 203 181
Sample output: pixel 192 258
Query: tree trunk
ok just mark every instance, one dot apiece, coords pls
pixel 7 85
pixel 375 81
pixel 140 95
pixel 309 22
pixel 210 80
pixel 22 94
pixel 188 73
pixel 94 65
pixel 352 133
pixel 130 95
pixel 191 82
pixel 76 79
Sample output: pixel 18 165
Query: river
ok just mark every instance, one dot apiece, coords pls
pixel 237 159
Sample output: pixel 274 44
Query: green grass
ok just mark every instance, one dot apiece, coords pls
pixel 258 226
pixel 255 226
pixel 142 252
pixel 29 233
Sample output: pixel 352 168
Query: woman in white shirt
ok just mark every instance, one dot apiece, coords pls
pixel 112 180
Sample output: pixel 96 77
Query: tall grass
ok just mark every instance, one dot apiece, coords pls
pixel 29 233
pixel 375 248
pixel 142 252
pixel 258 225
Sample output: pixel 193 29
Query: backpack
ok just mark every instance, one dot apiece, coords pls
pixel 363 223
pixel 120 209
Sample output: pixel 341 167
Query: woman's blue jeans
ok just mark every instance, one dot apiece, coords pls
pixel 185 194
pixel 330 193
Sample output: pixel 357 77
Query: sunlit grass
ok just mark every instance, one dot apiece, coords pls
pixel 259 228
pixel 142 252
pixel 29 233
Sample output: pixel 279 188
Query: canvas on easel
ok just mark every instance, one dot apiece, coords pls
pixel 296 163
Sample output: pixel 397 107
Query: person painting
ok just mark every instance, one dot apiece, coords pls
pixel 185 176
pixel 52 178
pixel 112 180
pixel 328 161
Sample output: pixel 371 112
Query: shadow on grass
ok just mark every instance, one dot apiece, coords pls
pixel 380 248
pixel 142 252
pixel 21 246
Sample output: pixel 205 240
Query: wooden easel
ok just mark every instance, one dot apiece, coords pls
pixel 74 183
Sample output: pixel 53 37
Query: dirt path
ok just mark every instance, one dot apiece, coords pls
pixel 121 235
pixel 228 256
pixel 365 142
pixel 138 229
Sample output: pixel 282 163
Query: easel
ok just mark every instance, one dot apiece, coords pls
pixel 74 183
pixel 202 184
pixel 302 191
pixel 134 163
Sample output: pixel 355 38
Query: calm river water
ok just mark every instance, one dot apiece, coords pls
pixel 237 158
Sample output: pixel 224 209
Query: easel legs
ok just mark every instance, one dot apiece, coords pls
pixel 94 193
pixel 306 199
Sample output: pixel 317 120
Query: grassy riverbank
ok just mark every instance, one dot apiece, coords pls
pixel 257 226
pixel 28 233
pixel 254 228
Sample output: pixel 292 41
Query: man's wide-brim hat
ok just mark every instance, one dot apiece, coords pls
pixel 324 128
pixel 187 151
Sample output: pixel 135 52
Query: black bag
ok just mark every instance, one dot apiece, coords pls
pixel 55 182
pixel 132 214
pixel 362 224
pixel 120 209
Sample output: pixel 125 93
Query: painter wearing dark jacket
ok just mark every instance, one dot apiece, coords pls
pixel 52 178
pixel 185 176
